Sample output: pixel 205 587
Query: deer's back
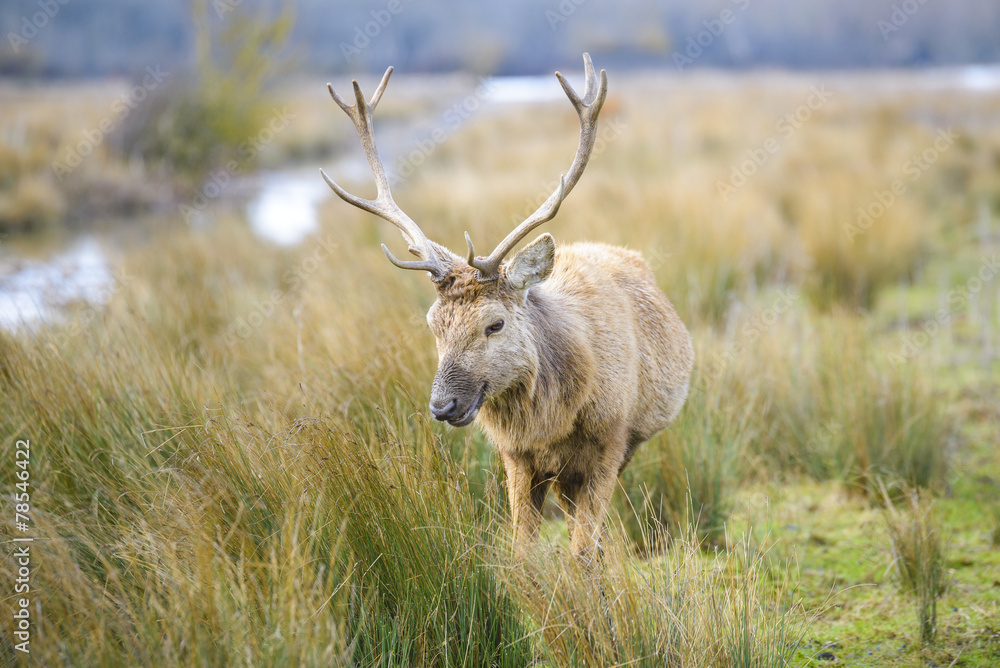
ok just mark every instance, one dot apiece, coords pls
pixel 641 351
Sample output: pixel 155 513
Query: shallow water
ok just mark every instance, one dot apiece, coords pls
pixel 283 206
pixel 285 210
pixel 33 290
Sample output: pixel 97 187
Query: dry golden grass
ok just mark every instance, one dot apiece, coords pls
pixel 233 464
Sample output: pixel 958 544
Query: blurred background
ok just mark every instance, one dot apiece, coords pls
pixel 226 382
pixel 112 37
pixel 118 116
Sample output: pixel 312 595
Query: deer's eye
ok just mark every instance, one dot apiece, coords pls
pixel 494 328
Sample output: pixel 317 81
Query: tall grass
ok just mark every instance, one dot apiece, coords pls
pixel 191 516
pixel 829 404
pixel 666 148
pixel 918 551
pixel 238 536
pixel 232 464
pixel 683 480
pixel 249 539
pixel 804 395
pixel 681 609
pixel 280 496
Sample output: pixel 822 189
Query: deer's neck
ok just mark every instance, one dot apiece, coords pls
pixel 542 406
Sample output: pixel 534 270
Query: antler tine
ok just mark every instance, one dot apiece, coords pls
pixel 472 250
pixel 426 265
pixel 339 100
pixel 588 78
pixel 381 88
pixel 383 205
pixel 587 108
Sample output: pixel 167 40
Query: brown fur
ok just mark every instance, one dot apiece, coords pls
pixel 593 361
pixel 569 359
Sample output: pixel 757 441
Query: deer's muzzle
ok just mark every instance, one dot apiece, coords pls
pixel 455 396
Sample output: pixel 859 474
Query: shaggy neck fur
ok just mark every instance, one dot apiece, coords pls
pixel 532 411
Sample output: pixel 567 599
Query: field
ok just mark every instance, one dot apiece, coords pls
pixel 232 461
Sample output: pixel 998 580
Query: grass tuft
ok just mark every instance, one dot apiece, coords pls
pixel 918 551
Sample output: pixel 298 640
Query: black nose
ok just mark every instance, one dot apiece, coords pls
pixel 444 409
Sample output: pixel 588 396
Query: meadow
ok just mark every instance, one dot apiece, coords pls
pixel 232 460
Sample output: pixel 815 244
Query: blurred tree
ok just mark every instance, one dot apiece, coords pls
pixel 214 113
pixel 100 37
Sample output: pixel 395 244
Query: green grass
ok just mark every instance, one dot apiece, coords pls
pixel 213 501
pixel 210 494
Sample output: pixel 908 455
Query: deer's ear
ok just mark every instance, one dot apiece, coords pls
pixel 533 263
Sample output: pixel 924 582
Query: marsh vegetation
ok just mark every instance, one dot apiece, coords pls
pixel 233 461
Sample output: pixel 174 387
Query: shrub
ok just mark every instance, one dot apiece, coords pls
pixel 198 121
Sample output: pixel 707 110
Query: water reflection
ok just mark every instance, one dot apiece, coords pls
pixel 285 208
pixel 34 290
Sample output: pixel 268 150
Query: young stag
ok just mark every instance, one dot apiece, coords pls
pixel 570 358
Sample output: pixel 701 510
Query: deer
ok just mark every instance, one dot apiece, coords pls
pixel 568 357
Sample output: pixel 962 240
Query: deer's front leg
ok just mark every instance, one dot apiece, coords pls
pixel 526 490
pixel 589 500
pixel 585 494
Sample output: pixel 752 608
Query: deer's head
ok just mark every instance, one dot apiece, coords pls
pixel 485 341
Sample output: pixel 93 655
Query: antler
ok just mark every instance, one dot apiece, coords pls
pixel 587 108
pixel 383 205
